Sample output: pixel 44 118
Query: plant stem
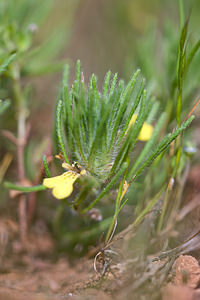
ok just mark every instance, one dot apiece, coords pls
pixel 164 208
pixel 24 189
pixel 21 142
pixel 21 136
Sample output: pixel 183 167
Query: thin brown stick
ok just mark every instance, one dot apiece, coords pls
pixel 21 142
pixel 193 109
pixel 22 219
pixel 32 196
pixel 10 136
pixel 6 161
pixel 21 170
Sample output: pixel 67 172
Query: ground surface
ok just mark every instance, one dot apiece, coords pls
pixel 28 275
pixel 37 274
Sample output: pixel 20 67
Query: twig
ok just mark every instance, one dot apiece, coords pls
pixel 193 109
pixel 5 164
pixel 32 196
pixel 21 141
pixel 20 156
pixel 10 136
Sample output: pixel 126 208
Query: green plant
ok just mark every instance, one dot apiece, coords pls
pixel 93 128
pixel 170 69
pixel 166 63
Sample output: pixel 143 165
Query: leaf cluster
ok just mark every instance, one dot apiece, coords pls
pixel 93 127
pixel 96 124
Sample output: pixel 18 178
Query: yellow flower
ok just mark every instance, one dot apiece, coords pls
pixel 146 131
pixel 62 185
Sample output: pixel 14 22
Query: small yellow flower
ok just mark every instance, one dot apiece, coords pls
pixel 62 185
pixel 146 131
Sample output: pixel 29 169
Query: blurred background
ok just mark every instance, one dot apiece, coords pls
pixel 104 35
pixel 116 35
pixel 108 35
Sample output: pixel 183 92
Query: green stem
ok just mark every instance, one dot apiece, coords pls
pixel 181 14
pixel 164 208
pixel 25 189
pixel 46 167
pixel 118 201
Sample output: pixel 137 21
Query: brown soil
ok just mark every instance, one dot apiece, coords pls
pixel 30 275
pixel 37 274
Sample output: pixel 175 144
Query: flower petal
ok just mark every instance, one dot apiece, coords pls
pixel 146 131
pixel 62 185
pixel 62 190
pixel 52 182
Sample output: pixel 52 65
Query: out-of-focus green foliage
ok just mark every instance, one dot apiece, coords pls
pixel 30 44
pixel 20 32
pixel 157 54
pixel 4 106
pixel 169 59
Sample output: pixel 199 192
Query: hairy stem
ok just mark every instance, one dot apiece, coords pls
pixel 21 136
